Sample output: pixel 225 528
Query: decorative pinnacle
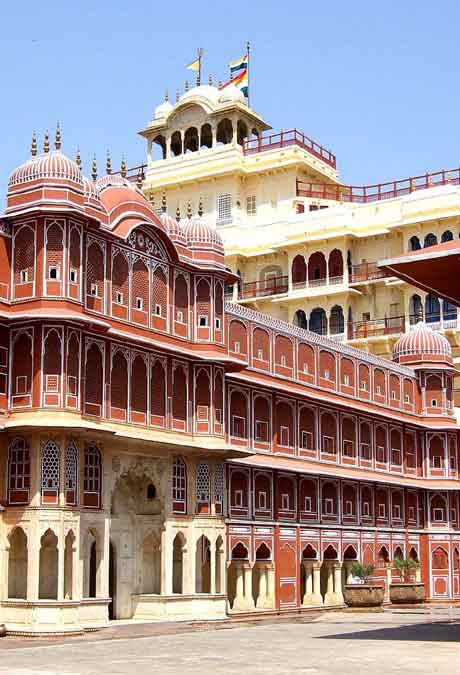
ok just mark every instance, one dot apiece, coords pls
pixel 33 146
pixel 178 213
pixel 186 85
pixel 94 169
pixel 220 83
pixel 189 210
pixel 152 200
pixel 200 207
pixel 46 143
pixel 108 164
pixel 177 95
pixel 419 313
pixel 78 159
pixel 58 138
pixel 166 95
pixel 210 79
pixel 123 167
pixel 163 202
pixel 140 179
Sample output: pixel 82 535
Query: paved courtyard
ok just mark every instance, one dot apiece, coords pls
pixel 404 641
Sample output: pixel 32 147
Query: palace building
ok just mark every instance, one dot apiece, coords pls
pixel 168 454
pixel 304 246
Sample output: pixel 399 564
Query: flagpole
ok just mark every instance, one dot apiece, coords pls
pixel 248 50
pixel 200 54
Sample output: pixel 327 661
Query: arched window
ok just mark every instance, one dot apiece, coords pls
pixel 50 473
pixel 430 240
pixel 415 308
pixel 316 268
pixel 191 140
pixel 219 488
pixel 300 319
pixel 414 244
pixel 447 236
pixel 335 265
pixel 299 270
pixel 176 144
pixel 92 476
pixel 336 321
pixel 206 136
pixel 224 131
pixel 432 309
pixel 18 472
pixel 151 491
pixel 449 311
pixel 318 321
pixel 179 485
pixel 71 473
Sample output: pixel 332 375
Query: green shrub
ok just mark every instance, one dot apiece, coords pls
pixel 361 571
pixel 405 567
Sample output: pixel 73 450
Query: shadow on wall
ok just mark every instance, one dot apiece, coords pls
pixel 438 631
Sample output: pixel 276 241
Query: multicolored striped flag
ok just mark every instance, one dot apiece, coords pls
pixel 239 64
pixel 241 81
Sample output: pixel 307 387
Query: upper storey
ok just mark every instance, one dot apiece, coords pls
pixel 213 136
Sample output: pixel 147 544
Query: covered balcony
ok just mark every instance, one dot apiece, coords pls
pixel 283 139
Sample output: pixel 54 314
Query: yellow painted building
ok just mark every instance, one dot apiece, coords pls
pixel 304 245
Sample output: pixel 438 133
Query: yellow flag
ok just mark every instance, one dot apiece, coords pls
pixel 194 65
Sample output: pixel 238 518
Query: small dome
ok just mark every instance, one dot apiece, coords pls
pixel 199 234
pixel 89 189
pixel 49 165
pixel 231 93
pixel 162 110
pixel 203 91
pixel 422 344
pixel 114 180
pixel 173 228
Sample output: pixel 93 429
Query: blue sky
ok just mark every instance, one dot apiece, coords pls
pixel 377 83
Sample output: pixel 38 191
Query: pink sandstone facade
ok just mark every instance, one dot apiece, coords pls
pixel 167 454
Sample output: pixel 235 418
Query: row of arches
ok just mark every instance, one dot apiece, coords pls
pixel 432 310
pixel 317 268
pixel 430 239
pixel 319 323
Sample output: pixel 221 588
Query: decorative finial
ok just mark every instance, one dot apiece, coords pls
pixel 200 207
pixel 419 313
pixel 33 146
pixel 123 167
pixel 210 79
pixel 140 179
pixel 78 159
pixel 189 210
pixel 166 95
pixel 152 200
pixel 178 213
pixel 58 139
pixel 94 169
pixel 177 95
pixel 220 84
pixel 163 202
pixel 46 143
pixel 186 85
pixel 108 164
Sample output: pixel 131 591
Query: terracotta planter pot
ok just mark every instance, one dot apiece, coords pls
pixel 363 595
pixel 407 593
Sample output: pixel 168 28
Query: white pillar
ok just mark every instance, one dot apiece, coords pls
pixel 212 564
pixel 308 567
pixel 316 598
pixel 248 599
pixel 388 581
pixel 61 558
pixel 338 583
pixel 166 564
pixel 329 598
pixel 238 602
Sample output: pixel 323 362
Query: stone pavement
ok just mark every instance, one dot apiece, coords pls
pixel 405 641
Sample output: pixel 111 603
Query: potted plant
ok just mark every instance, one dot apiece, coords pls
pixel 362 593
pixel 407 590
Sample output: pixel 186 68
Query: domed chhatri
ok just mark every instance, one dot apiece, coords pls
pixel 422 345
pixel 46 166
pixel 201 235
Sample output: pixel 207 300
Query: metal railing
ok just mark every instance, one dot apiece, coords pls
pixel 375 327
pixel 257 289
pixel 372 193
pixel 284 139
pixel 367 271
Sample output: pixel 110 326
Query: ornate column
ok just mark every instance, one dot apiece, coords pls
pixel 248 599
pixel 33 565
pixel 418 574
pixel 238 602
pixel 61 558
pixel 212 565
pixel 388 581
pixel 166 564
pixel 168 146
pixel 329 598
pixel 316 597
pixel 348 574
pixel 188 570
pixel 271 584
pixel 308 567
pixel 338 583
pixel 214 135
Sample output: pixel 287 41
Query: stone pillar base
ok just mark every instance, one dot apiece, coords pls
pixel 312 599
pixel 331 599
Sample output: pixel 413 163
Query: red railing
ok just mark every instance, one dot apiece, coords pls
pixel 388 326
pixel 133 172
pixel 257 289
pixel 366 272
pixel 373 193
pixel 283 139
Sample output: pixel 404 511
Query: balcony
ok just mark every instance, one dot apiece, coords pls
pixel 264 288
pixel 448 320
pixel 393 325
pixel 284 139
pixel 315 283
pixel 367 271
pixel 364 194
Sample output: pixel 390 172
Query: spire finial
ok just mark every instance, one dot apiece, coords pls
pixel 186 85
pixel 166 95
pixel 178 213
pixel 108 164
pixel 94 169
pixel 177 95
pixel 220 83
pixel 200 207
pixel 152 200
pixel 78 159
pixel 419 313
pixel 58 138
pixel 140 178
pixel 210 79
pixel 123 167
pixel 33 145
pixel 189 210
pixel 163 202
pixel 46 142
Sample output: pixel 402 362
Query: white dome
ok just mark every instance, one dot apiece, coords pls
pixel 203 91
pixel 231 93
pixel 163 110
